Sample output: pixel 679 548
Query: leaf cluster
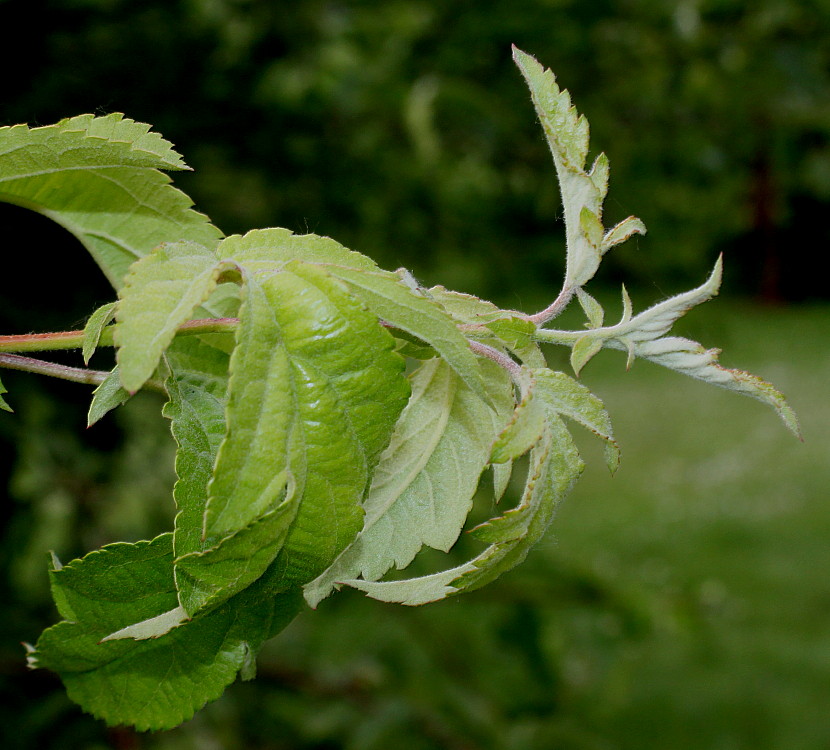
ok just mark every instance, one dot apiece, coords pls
pixel 332 418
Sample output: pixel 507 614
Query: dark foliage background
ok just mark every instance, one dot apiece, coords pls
pixel 403 130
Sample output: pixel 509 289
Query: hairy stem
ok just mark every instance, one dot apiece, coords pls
pixel 513 368
pixel 48 342
pixel 554 308
pixel 64 372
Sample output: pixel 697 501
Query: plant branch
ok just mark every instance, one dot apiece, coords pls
pixel 47 342
pixel 501 359
pixel 554 308
pixel 64 372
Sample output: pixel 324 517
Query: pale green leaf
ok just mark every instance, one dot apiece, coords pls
pixel 160 293
pixel 562 395
pixel 583 351
pixel 501 478
pixel 525 426
pixel 266 250
pixel 621 232
pixel 94 327
pixel 98 177
pixel 644 336
pixel 316 389
pixel 658 320
pixel 692 359
pixel 592 309
pixel 514 332
pixel 599 174
pixel 487 323
pixel 567 137
pixel 591 227
pixel 394 302
pixel 424 484
pixel 158 682
pixel 555 466
pixel 152 627
pixel 106 397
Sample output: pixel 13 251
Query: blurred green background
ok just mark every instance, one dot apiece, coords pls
pixel 683 603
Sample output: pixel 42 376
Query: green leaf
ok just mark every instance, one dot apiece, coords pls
pixel 209 578
pixel 423 487
pixel 266 250
pixel 98 177
pixel 3 405
pixel 525 426
pixel 316 389
pixel 197 388
pixel 106 397
pixel 584 350
pixel 582 193
pixel 562 395
pixel 94 327
pixel 394 302
pixel 644 336
pixel 515 332
pixel 554 467
pixel 592 309
pixel 160 293
pixel 501 478
pixel 160 682
pixel 621 232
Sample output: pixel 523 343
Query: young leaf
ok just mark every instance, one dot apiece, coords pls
pixel 585 347
pixel 160 682
pixel 592 309
pixel 511 329
pixel 582 193
pixel 525 427
pixel 562 395
pixel 266 250
pixel 424 484
pixel 555 466
pixel 3 405
pixel 644 336
pixel 160 293
pixel 316 389
pixel 98 177
pixel 94 327
pixel 394 302
pixel 621 232
pixel 106 397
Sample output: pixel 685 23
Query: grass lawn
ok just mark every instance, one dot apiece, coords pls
pixel 716 531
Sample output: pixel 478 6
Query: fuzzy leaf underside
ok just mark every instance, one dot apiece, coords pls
pixel 424 484
pixel 99 178
pixel 315 390
pixel 644 335
pixel 554 468
pixel 582 192
pixel 155 683
pixel 160 293
pixel 562 395
pixel 525 428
